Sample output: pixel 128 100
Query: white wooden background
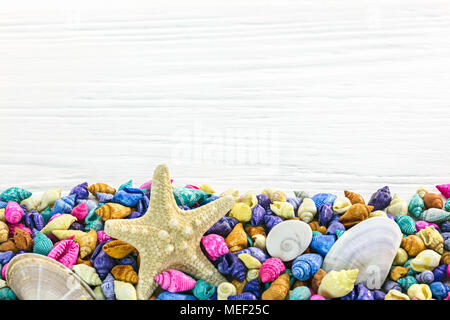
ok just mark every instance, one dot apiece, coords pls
pixel 311 95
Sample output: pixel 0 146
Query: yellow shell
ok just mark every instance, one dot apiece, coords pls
pixel 87 274
pixel 398 272
pixel 278 288
pixel 249 261
pixel 87 243
pixel 48 198
pixel 3 284
pixel 237 238
pixel 432 239
pixel 4 231
pixel 426 260
pixel 207 188
pixel 125 272
pixel 99 293
pixel 241 212
pixel 420 291
pixel 250 199
pixel 413 245
pixel 117 249
pixel 100 187
pixel 239 285
pixel 124 291
pixel 377 213
pixel 64 234
pixel 401 257
pixel 112 210
pixel 231 192
pixel 337 284
pixel 2 215
pixel 283 209
pixel 224 290
pixel 396 295
pixel 422 191
pixel 397 206
pixel 31 203
pixel 62 222
pixel 252 274
pixel 307 210
pixel 259 241
pixel 278 195
pixel 341 204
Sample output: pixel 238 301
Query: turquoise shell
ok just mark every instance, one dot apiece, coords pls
pixel 416 206
pixel 411 271
pixel 189 197
pixel 447 205
pixel 203 290
pixel 46 214
pixel 406 224
pixel 407 282
pixel 42 244
pixel 128 184
pixel 316 233
pixel 339 233
pixel 7 294
pixel 15 194
pixel 249 240
pixel 300 293
pixel 93 221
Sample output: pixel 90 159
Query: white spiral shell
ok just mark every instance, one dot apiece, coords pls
pixel 341 205
pixel 307 210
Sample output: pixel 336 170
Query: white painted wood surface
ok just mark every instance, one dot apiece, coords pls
pixel 310 95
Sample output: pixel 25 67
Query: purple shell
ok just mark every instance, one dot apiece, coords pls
pixel 350 296
pixel 38 220
pixel 439 273
pixel 223 227
pixel 263 200
pixel 255 252
pixel 80 191
pixel 271 221
pixel 322 244
pixel 334 226
pixel 363 293
pixel 445 227
pixel 3 204
pixel 325 214
pixel 296 202
pixel 208 200
pixel 258 213
pixel 104 197
pixel 5 257
pixel 102 262
pixel 378 295
pixel 426 277
pixel 231 264
pixel 243 296
pixel 323 198
pixel 108 287
pixel 253 287
pixel 380 199
pixel 76 226
pixel 183 207
pixel 142 205
pixel 134 215
pixel 391 285
pixel 390 216
pixel 128 197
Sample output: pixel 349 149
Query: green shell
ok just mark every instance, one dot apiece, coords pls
pixel 93 221
pixel 447 205
pixel 47 214
pixel 189 197
pixel 127 184
pixel 407 282
pixel 316 233
pixel 416 206
pixel 300 293
pixel 15 194
pixel 339 233
pixel 42 244
pixel 406 224
pixel 411 271
pixel 7 294
pixel 203 290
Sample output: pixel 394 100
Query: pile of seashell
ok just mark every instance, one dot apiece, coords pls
pixel 269 246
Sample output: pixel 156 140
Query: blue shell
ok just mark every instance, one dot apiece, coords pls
pixel 128 184
pixel 322 244
pixel 254 287
pixel 391 285
pixel 378 295
pixel 323 198
pixel 102 262
pixel 263 200
pixel 380 199
pixel 134 215
pixel 166 295
pixel 184 207
pixel 64 205
pixel 3 204
pixel 258 213
pixel 439 273
pixel 142 205
pixel 231 264
pixel 271 220
pixel 300 293
pixel 445 226
pixel 350 296
pixel 363 293
pixel 208 200
pixel 255 253
pixel 426 277
pixel 5 257
pixel 128 260
pixel 438 290
pixel 80 191
pixel 325 214
pixel 306 265
pixel 104 197
pixel 223 227
pixel 243 296
pixel 296 202
pixel 108 287
pixel 128 197
pixel 335 226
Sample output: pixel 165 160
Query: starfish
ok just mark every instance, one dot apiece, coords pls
pixel 168 237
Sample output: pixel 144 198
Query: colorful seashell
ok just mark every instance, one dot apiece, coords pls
pixel 337 284
pixel 380 199
pixel 224 290
pixel 406 224
pixel 423 224
pixel 378 213
pixel 22 240
pixel 223 227
pixel 316 227
pixel 278 288
pixel 439 290
pixel 271 220
pixel 439 273
pixel 426 260
pixel 432 239
pixel 413 245
pixel 271 269
pixel 406 282
pixel 189 197
pixel 355 214
pixel 325 214
pixel 397 206
pixel 354 197
pixel 425 276
pixel 421 191
pixel 295 202
pixel 15 194
pixel 300 293
pixel 125 273
pixel 100 187
pixel 322 244
pixel 166 295
pixel 232 265
pixel 398 272
pixel 307 210
pixel 214 245
pixel 416 206
pixel 444 189
pixel 435 215
pixel 257 215
pixel 237 239
pixel 396 295
pixel 243 296
pixel 400 258
pixel 48 198
pixel 128 197
pixel 80 211
pixel 341 205
pixel 65 252
pixel 80 191
pixel 124 291
pixel 64 234
pixel 257 253
pixel 64 205
pixel 252 274
pixel 113 211
pixel 102 262
pixel 30 203
pixel 306 266
pixel 334 227
pixel 241 212
pixel 323 198
pixel 317 280
pixel 283 209
pixel 433 200
pixel 203 290
pixel 117 249
pixel 88 243
pixel 13 212
pixel 249 261
pixel 87 274
pixel 62 222
pixel 4 232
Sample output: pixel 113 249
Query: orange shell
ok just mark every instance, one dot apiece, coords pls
pixel 239 285
pixel 112 210
pixel 4 231
pixel 251 230
pixel 118 249
pixel 433 200
pixel 354 197
pixel 88 243
pixel 86 262
pixel 398 272
pixel 9 245
pixel 125 272
pixel 445 258
pixel 237 239
pixel 316 227
pixel 278 288
pixel 299 283
pixel 355 214
pixel 317 279
pixel 413 245
pixel 22 239
pixel 100 187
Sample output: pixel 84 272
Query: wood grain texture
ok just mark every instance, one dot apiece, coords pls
pixel 309 95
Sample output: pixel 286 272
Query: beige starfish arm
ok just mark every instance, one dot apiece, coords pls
pixel 132 231
pixel 146 284
pixel 206 216
pixel 161 194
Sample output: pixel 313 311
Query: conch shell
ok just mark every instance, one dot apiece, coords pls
pixel 62 222
pixel 283 209
pixel 118 249
pixel 87 274
pixel 23 240
pixel 13 212
pixel 126 273
pixel 397 206
pixel 413 245
pixel 307 210
pixel 4 231
pixel 112 210
pixel 87 243
pixel 396 295
pixel 354 197
pixel 101 187
pixel 258 236
pixel 214 246
pixel 432 239
pixel 433 200
pixel 278 289
pixel 224 290
pixel 241 212
pixel 288 239
pixel 435 215
pixel 420 292
pixel 355 214
pixel 271 269
pixel 341 205
pixel 426 260
pixel 444 189
pixel 237 239
pixel 337 284
pixel 48 198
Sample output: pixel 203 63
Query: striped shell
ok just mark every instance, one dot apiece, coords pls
pixel 100 187
pixel 62 222
pixel 175 281
pixel 118 249
pixel 65 252
pixel 113 211
pixel 125 273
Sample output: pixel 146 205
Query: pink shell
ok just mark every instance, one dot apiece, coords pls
pixel 102 236
pixel 414 298
pixel 13 227
pixel 215 246
pixel 271 269
pixel 448 297
pixel 175 281
pixel 423 224
pixel 56 215
pixel 448 271
pixel 190 186
pixel 13 212
pixel 444 189
pixel 4 271
pixel 80 211
pixel 65 252
pixel 317 297
pixel 148 185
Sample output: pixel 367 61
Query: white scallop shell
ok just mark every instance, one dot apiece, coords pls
pixel 288 239
pixel 36 277
pixel 370 247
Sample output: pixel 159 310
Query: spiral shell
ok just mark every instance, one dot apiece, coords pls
pixel 300 293
pixel 425 276
pixel 341 205
pixel 406 224
pixel 80 212
pixel 252 274
pixel 124 291
pixel 214 245
pixel 288 239
pixel 396 295
pixel 4 231
pixel 444 189
pixel 337 284
pixel 423 224
pixel 433 200
pixel 277 195
pixel 398 272
pixel 100 187
pixel 13 212
pixel 14 194
pixel 87 243
pixel 413 245
pixel 432 239
pixel 87 274
pixel 224 290
pixel 61 222
pixel 322 244
pixel 113 211
pixel 117 249
pixel 241 212
pixel 307 210
pixel 237 239
pixel 306 266
pixel 421 191
pixel 397 206
pixel 355 214
pixel 23 240
pixel 64 205
pixel 283 209
pixel 416 206
pixel 271 269
pixel 426 260
pixel 125 273
pixel 203 290
pixel 65 252
pixel 48 198
pixel 435 215
pixel 278 289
